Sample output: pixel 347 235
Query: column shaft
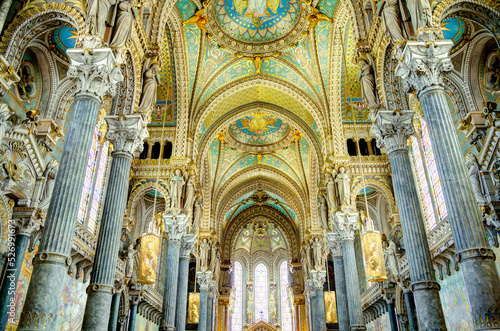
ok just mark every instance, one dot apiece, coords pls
pixel 133 317
pixel 170 291
pixel 411 311
pixel 425 287
pixel 103 272
pixel 182 294
pixel 210 311
pixel 476 259
pixel 352 286
pixel 341 293
pixel 115 310
pixel 392 316
pixel 318 311
pixel 203 315
pixel 51 263
pixel 9 284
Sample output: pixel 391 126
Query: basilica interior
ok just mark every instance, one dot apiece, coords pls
pixel 258 165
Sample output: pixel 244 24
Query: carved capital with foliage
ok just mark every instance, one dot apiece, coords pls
pixel 334 244
pixel 347 224
pixel 187 245
pixel 176 224
pixel 317 278
pixel 204 279
pixel 126 133
pixel 393 128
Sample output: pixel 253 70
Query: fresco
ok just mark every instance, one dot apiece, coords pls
pixel 455 304
pixel 382 323
pixel 259 129
pixel 142 324
pixel 257 20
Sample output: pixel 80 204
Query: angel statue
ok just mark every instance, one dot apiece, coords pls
pixel 199 19
pixel 332 192
pixel 176 186
pixel 204 248
pixel 150 85
pixel 344 186
pixel 391 259
pixel 197 213
pixel 317 247
pixel 367 81
pixel 50 179
pixel 389 10
pixel 323 212
pixel 188 203
pixel 130 262
pixel 420 13
pixel 478 186
pixel 124 24
pixel 98 15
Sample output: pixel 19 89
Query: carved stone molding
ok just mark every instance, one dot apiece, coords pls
pixel 187 245
pixel 126 133
pixel 346 224
pixel 317 278
pixel 176 224
pixel 334 244
pixel 393 128
pixel 204 279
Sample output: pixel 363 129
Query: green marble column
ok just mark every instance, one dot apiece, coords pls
pixel 93 68
pixel 182 281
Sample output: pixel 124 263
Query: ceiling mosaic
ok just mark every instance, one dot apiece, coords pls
pixel 262 235
pixel 166 91
pixel 259 129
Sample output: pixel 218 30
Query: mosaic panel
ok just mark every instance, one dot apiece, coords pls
pixel 259 129
pixel 455 304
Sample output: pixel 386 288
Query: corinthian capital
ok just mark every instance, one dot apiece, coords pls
pixel 187 245
pixel 334 244
pixel 347 224
pixel 204 279
pixel 317 278
pixel 126 133
pixel 176 224
pixel 393 128
pixel 94 69
pixel 423 62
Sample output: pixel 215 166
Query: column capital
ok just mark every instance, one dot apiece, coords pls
pixel 334 244
pixel 126 133
pixel 204 279
pixel 347 224
pixel 393 128
pixel 423 61
pixel 187 245
pixel 176 224
pixel 93 68
pixel 317 278
pixel 28 221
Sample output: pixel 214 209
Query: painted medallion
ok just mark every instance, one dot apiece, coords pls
pixel 259 129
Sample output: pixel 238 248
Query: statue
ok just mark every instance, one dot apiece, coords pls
pixel 188 204
pixel 5 113
pixel 332 193
pixel 250 305
pixel 197 214
pixel 420 13
pixel 272 300
pixel 213 256
pixel 367 81
pixel 99 15
pixel 199 19
pixel 50 179
pixel 304 262
pixel 176 185
pixel 317 247
pixel 391 259
pixel 130 263
pixel 124 24
pixel 204 247
pixel 232 299
pixel 389 10
pixel 323 212
pixel 478 186
pixel 308 257
pixel 344 186
pixel 150 85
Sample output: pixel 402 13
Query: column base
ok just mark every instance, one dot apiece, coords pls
pixel 167 328
pixel 357 328
pixel 97 309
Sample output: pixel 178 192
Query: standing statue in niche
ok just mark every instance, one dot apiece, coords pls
pixel 272 300
pixel 204 248
pixel 367 81
pixel 130 263
pixel 304 262
pixel 317 247
pixel 344 185
pixel 197 214
pixel 99 15
pixel 176 186
pixel 150 86
pixel 391 259
pixel 323 212
pixel 124 24
pixel 332 192
pixel 479 187
pixel 389 10
pixel 420 13
pixel 188 204
pixel 50 179
pixel 308 254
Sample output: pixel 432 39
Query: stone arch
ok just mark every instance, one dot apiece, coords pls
pixel 377 186
pixel 139 191
pixel 33 22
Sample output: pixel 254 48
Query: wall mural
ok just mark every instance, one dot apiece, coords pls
pixel 381 323
pixel 142 324
pixel 455 303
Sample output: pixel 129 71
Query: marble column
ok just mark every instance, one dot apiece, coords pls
pixel 204 279
pixel 15 257
pixel 392 129
pixel 210 306
pixel 347 223
pixel 134 302
pixel 421 67
pixel 182 281
pixel 176 225
pixel 115 310
pixel 93 68
pixel 411 311
pixel 150 148
pixel 126 134
pixel 369 145
pixel 392 315
pixel 335 245
pixel 315 283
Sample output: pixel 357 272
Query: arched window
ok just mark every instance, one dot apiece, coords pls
pixel 237 318
pixel 286 315
pixel 261 283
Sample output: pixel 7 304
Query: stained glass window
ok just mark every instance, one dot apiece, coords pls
pixel 98 188
pixel 433 172
pixel 89 177
pixel 286 316
pixel 237 318
pixel 261 283
pixel 422 184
